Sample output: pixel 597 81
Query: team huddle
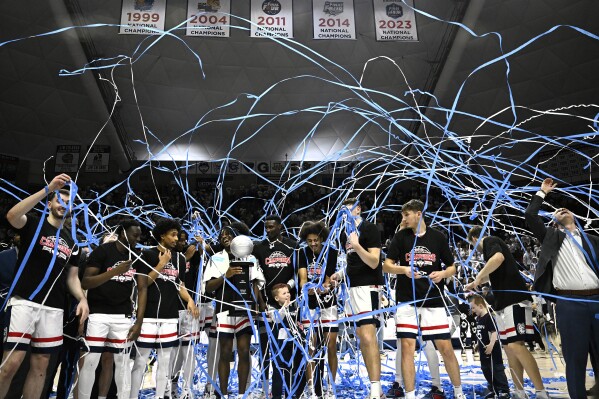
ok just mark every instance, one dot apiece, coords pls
pixel 284 294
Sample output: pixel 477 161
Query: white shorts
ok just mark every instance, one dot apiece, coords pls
pixel 433 323
pixel 35 326
pixel 514 323
pixel 189 327
pixel 364 300
pixel 206 313
pixel 158 333
pixel 107 333
pixel 325 318
pixel 229 326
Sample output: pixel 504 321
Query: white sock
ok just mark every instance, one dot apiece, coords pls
pixel 457 390
pixel 87 374
pixel 101 397
pixel 122 375
pixel 398 375
pixel 162 371
pixel 139 368
pixel 375 389
pixel 410 395
pixel 432 358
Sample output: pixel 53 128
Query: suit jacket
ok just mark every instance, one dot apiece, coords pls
pixel 551 240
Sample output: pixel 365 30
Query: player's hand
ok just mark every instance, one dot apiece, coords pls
pixel 548 185
pixel 134 332
pixel 193 309
pixel 82 311
pixel 411 273
pixel 190 251
pixel 233 271
pixel 354 240
pixel 437 277
pixel 124 267
pixel 164 257
pixel 473 285
pixel 488 350
pixel 335 279
pixel 59 182
pixel 403 224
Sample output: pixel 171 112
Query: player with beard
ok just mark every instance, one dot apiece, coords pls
pixel 109 280
pixel 512 306
pixel 416 255
pixel 164 272
pixel 216 280
pixel 316 265
pixel 276 256
pixel 365 280
pixel 49 259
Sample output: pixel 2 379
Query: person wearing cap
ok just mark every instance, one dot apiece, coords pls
pixel 568 267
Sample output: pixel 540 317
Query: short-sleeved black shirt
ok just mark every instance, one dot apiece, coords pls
pixel 38 264
pixel 506 278
pixel 485 326
pixel 316 266
pixel 359 274
pixel 428 253
pixel 114 296
pixel 163 293
pixel 277 261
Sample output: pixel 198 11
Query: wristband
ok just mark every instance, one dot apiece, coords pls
pixel 291 283
pixel 46 189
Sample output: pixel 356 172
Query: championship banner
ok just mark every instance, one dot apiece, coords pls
pixel 395 21
pixel 98 159
pixel 67 158
pixel 271 17
pixel 209 18
pixel 334 19
pixel 139 15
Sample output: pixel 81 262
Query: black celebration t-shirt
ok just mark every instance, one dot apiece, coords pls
pixel 277 261
pixel 428 253
pixel 506 278
pixel 163 294
pixel 316 266
pixel 359 274
pixel 38 270
pixel 114 296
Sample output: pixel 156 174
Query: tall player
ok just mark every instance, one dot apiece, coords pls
pixel 40 291
pixel 421 257
pixel 364 276
pixel 109 280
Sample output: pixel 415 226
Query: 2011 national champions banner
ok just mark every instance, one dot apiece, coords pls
pixel 271 17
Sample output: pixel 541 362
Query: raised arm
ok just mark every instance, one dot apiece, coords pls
pixel 16 216
pixel 531 215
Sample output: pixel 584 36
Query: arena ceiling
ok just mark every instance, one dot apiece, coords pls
pixel 169 94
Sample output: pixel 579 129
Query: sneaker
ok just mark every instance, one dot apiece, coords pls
pixel 308 394
pixel 435 393
pixel 504 395
pixel 329 394
pixel 517 395
pixel 395 391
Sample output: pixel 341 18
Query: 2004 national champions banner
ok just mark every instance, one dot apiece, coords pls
pixel 271 17
pixel 142 17
pixel 395 21
pixel 334 19
pixel 208 18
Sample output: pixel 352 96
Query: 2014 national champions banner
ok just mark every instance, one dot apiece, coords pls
pixel 394 20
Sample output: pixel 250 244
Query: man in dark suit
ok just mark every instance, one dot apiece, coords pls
pixel 568 267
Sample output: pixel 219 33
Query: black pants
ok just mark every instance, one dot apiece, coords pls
pixel 288 377
pixel 578 325
pixel 494 372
